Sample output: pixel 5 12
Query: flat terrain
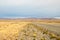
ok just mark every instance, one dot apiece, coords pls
pixel 10 30
pixel 54 27
pixel 29 30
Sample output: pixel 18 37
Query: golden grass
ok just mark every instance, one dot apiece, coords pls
pixel 9 30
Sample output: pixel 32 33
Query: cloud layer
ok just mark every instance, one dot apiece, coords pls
pixel 33 8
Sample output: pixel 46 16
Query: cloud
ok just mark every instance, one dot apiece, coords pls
pixel 30 2
pixel 15 2
pixel 42 8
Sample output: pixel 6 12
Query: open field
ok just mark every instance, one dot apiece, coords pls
pixel 29 29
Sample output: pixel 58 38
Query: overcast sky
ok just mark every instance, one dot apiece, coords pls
pixel 29 8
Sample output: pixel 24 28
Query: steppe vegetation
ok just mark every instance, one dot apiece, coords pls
pixel 23 30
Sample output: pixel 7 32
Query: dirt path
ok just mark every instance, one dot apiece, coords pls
pixel 36 32
pixel 53 28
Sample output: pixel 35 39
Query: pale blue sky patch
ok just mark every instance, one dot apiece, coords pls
pixel 30 8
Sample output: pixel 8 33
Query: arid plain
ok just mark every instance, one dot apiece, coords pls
pixel 29 29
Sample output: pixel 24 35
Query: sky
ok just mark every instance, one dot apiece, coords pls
pixel 30 8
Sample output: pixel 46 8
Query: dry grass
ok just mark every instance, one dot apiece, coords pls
pixel 11 30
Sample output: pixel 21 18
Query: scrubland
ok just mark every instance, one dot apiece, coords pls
pixel 29 30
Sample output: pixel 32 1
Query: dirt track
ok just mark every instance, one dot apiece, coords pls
pixel 54 28
pixel 35 31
